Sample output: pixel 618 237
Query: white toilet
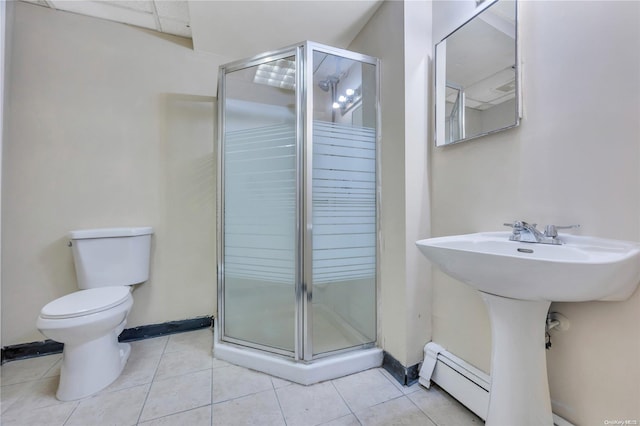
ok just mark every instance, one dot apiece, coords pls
pixel 108 262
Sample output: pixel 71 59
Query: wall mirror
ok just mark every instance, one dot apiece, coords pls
pixel 477 87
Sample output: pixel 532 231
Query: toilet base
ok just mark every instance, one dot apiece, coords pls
pixel 91 366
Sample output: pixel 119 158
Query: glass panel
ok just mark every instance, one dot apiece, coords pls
pixel 260 204
pixel 344 203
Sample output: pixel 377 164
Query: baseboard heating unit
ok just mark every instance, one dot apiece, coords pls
pixel 469 385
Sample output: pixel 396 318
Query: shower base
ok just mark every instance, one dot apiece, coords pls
pixel 327 368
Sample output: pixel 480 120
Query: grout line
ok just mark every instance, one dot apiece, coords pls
pixel 353 413
pixel 173 414
pixel 155 373
pixel 28 381
pixel 164 348
pixel 146 397
pixel 275 391
pixel 105 391
pixel 388 400
pixel 35 379
pixel 390 378
pixel 162 379
pixel 422 411
pixel 71 413
pixel 212 385
pixel 384 402
pixel 237 397
pixel 59 361
pixel 6 405
pixel 16 405
pixel 342 397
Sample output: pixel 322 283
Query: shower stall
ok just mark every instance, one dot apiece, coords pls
pixel 297 216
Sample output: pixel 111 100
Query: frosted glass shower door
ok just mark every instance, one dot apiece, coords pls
pixel 259 184
pixel 344 202
pixel 298 145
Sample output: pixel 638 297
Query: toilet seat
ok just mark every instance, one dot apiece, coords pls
pixel 85 302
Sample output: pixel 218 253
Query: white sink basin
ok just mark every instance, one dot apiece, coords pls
pixel 518 281
pixel 582 269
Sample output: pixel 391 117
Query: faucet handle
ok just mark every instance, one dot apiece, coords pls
pixel 552 230
pixel 566 226
pixel 520 224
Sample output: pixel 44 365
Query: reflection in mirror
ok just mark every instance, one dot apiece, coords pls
pixel 476 76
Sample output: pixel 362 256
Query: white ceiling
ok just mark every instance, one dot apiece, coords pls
pixel 238 29
pixel 235 28
pixel 171 17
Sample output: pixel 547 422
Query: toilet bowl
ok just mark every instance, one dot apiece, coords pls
pixel 88 322
pixel 108 262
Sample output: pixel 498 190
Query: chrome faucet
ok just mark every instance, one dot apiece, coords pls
pixel 528 233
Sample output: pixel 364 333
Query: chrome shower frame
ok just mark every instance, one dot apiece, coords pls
pixel 303 53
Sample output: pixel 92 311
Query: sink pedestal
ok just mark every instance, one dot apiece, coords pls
pixel 519 393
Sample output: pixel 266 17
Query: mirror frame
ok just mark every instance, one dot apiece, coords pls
pixel 439 82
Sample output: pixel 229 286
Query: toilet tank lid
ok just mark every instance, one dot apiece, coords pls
pixel 110 232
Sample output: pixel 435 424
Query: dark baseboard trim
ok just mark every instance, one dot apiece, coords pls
pixel 404 375
pixel 30 350
pixel 48 347
pixel 171 327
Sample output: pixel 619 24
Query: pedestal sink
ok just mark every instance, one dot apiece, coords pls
pixel 518 281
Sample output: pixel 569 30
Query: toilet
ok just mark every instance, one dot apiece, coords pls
pixel 108 262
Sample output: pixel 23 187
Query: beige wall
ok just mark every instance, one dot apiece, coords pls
pixel 108 125
pixel 574 159
pixel 398 34
pixel 417 56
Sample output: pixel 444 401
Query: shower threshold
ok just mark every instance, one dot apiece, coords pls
pixel 327 368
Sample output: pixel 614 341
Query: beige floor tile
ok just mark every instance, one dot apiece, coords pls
pixel 173 380
pixel 54 371
pixel 234 382
pixel 397 412
pixel 120 408
pixel 348 420
pixel 217 363
pixel 149 347
pixel 311 405
pixel 139 370
pixel 196 417
pixel 55 415
pixel 176 394
pixel 443 409
pixel 177 363
pixel 27 369
pixel 11 393
pixel 40 393
pixel 199 340
pixel 366 389
pixel 259 409
pixel 279 383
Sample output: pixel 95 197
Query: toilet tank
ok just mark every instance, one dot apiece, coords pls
pixel 111 256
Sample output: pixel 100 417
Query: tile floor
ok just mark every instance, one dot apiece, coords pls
pixel 174 380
